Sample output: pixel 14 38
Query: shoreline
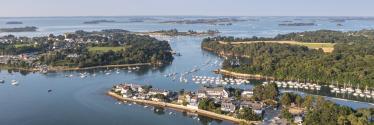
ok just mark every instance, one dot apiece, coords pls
pixel 167 35
pixel 182 108
pixel 54 69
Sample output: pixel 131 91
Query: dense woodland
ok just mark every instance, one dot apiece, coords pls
pixel 319 111
pixel 351 61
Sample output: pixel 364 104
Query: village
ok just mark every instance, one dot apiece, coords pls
pixel 230 102
pixel 80 49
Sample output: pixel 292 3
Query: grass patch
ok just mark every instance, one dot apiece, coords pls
pixel 22 45
pixel 106 49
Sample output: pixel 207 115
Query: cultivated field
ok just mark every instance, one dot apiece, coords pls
pixel 326 47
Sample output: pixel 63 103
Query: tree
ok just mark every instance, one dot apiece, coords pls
pixel 263 92
pixel 286 99
pixel 308 102
pixel 286 114
pixel 248 114
pixel 298 100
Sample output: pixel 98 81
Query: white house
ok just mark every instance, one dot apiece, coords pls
pixel 228 106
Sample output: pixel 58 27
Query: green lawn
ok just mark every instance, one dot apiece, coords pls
pixel 22 45
pixel 105 49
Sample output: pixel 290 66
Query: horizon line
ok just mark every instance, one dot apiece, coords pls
pixel 183 16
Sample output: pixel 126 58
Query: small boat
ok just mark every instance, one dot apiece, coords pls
pixel 49 90
pixel 2 81
pixel 14 82
pixel 368 96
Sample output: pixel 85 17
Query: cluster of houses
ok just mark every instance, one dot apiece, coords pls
pixel 220 95
pixel 27 57
pixel 54 43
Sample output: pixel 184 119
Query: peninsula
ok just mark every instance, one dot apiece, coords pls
pixel 14 22
pixel 83 49
pixel 99 21
pixel 216 21
pixel 175 32
pixel 19 29
pixel 314 56
pixel 215 102
pixel 297 24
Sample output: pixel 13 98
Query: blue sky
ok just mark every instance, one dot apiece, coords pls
pixel 19 8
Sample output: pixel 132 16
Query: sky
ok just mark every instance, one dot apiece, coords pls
pixel 37 8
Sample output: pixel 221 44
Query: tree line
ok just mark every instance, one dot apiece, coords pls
pixel 350 62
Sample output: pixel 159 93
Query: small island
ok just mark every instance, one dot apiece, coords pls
pixel 14 22
pixel 82 50
pixel 217 21
pixel 99 21
pixel 175 32
pixel 20 29
pixel 297 24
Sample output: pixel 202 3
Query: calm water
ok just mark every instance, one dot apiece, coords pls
pixel 83 101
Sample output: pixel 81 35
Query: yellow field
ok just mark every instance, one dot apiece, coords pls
pixel 326 47
pixel 22 45
pixel 105 49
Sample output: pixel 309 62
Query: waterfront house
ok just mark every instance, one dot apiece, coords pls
pixel 142 96
pixel 257 107
pixel 201 94
pixel 228 106
pixel 127 94
pixel 156 99
pixel 216 92
pixel 154 91
pixel 192 101
pixel 4 59
pixel 298 120
pixel 247 94
pixel 181 99
pixel 135 87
